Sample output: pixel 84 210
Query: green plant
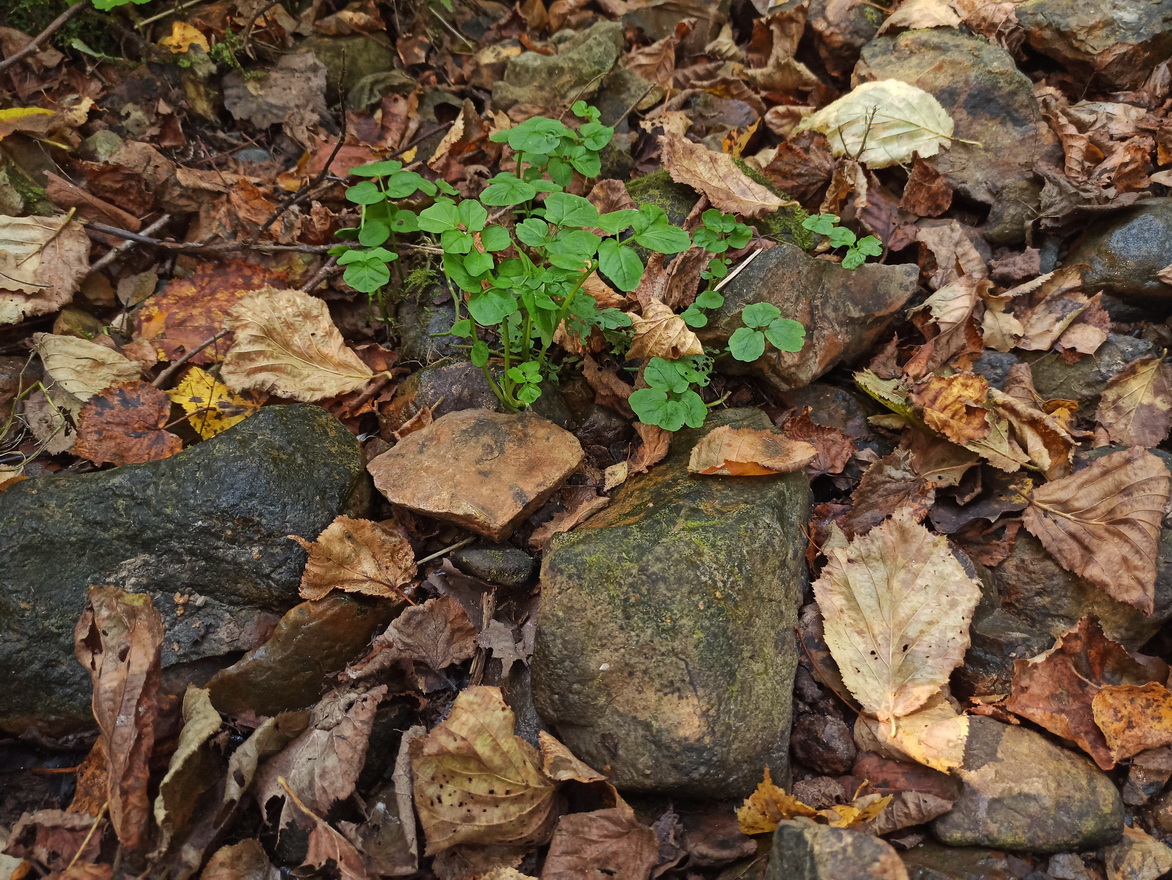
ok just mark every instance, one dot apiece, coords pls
pixel 522 277
pixel 107 5
pixel 857 249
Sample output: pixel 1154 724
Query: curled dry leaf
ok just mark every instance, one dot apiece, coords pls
pixel 883 123
pixel 80 367
pixel 286 344
pixel 896 606
pixel 1103 523
pixel 767 806
pixel 211 406
pixel 42 262
pixel 660 332
pixel 934 736
pixel 1136 406
pixel 835 448
pixel 357 556
pixel 126 424
pixel 728 451
pixel 1133 718
pixel 478 783
pixel 716 176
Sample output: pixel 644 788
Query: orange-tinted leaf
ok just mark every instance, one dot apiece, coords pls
pixel 1103 523
pixel 717 176
pixel 357 556
pixel 748 452
pixel 953 406
pixel 1134 719
pixel 1136 406
pixel 660 332
pixel 769 805
pixel 126 425
pixel 835 448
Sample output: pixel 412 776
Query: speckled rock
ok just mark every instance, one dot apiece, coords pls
pixel 1020 791
pixel 665 653
pixel 572 73
pixel 805 851
pixel 1124 253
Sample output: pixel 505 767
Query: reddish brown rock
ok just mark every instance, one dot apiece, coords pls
pixel 482 470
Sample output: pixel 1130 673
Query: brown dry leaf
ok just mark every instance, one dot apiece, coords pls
pixel 953 406
pixel 767 806
pixel 835 448
pixel 126 424
pixel 934 736
pixel 728 451
pixel 1000 329
pixel 951 251
pixel 42 263
pixel 580 503
pixel 327 851
pixel 80 367
pixel 118 641
pixel 655 63
pixel 1136 406
pixel 1055 689
pixel 654 448
pixel 927 193
pixel 896 606
pixel 245 860
pixel 287 344
pixel 604 843
pixel 52 838
pixel 478 783
pixel 435 635
pixel 1044 439
pixel 858 812
pixel 189 311
pixel 911 14
pixel 194 768
pixel 908 808
pixel 1134 718
pixel 888 485
pixel 660 332
pixel 1103 523
pixel 357 556
pixel 716 176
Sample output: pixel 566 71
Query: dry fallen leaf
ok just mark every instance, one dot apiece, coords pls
pixel 717 176
pixel 478 783
pixel 42 263
pixel 80 367
pixel 953 406
pixel 1134 718
pixel 126 424
pixel 934 735
pixel 1103 523
pixel 211 406
pixel 1136 406
pixel 660 332
pixel 604 843
pixel 357 556
pixel 911 14
pixel 748 452
pixel 769 805
pixel 897 606
pixel 287 344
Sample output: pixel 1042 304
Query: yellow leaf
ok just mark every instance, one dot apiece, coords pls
pixel 935 736
pixel 212 405
pixel 28 119
pixel 767 806
pixel 183 37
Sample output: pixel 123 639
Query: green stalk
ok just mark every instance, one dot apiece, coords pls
pixel 562 312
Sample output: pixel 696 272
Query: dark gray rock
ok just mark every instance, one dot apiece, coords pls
pixel 572 73
pixel 824 743
pixel 1022 792
pixel 992 103
pixel 209 522
pixel 931 861
pixel 424 325
pixel 805 851
pixel 1124 252
pixel 844 311
pixel 1085 379
pixel 665 652
pixel 495 563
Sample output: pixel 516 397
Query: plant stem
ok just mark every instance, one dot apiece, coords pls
pixel 562 312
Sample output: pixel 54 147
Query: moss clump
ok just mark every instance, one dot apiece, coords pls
pixel 784 223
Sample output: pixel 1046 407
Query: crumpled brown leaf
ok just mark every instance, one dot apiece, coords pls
pixel 287 344
pixel 716 176
pixel 357 556
pixel 896 606
pixel 729 451
pixel 125 424
pixel 660 332
pixel 603 843
pixel 42 263
pixel 428 638
pixel 1103 523
pixel 1134 718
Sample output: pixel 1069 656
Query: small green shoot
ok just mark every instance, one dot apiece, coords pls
pixel 857 249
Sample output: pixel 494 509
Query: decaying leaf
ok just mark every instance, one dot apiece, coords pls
pixel 286 344
pixel 1103 523
pixel 660 332
pixel 42 262
pixel 952 406
pixel 883 123
pixel 888 485
pixel 835 448
pixel 212 407
pixel 193 769
pixel 126 424
pixel 427 637
pixel 748 452
pixel 80 367
pixel 896 606
pixel 717 176
pixel 357 556
pixel 478 783
pixel 1136 406
pixel 604 843
pixel 1134 718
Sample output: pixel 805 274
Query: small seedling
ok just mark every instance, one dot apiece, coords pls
pixel 857 249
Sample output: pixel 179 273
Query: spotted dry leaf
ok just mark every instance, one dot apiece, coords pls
pixel 1134 718
pixel 1136 406
pixel 1103 523
pixel 660 332
pixel 126 424
pixel 357 556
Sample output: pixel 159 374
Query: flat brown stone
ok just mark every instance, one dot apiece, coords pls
pixel 482 470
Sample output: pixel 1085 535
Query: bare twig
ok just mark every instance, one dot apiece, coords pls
pixel 212 248
pixel 122 247
pixel 54 26
pixel 164 377
pixel 327 269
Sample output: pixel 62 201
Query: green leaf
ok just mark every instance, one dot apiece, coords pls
pixel 495 238
pixel 365 193
pixel 613 319
pixel 840 236
pixel 820 223
pixel 620 264
pixel 694 317
pixel 477 263
pixel 367 276
pixel 404 220
pixel 377 169
pixel 571 249
pixel 491 307
pixel 649 405
pixel 528 394
pixel 453 241
pixel 440 217
pixel 506 190
pixel 462 328
pixel 710 240
pixel 664 238
pixel 479 353
pixel 373 232
pixel 595 136
pixel 786 334
pixel 709 299
pixel 446 188
pixel 665 374
pixel 746 345
pixel 533 232
pixel 565 209
pixel 695 412
pixel 584 111
pixel 535 135
pixel 473 215
pixel 760 314
pixel 454 269
pixel 616 221
pixel 585 162
pixel 853 259
pixel 740 236
pixel 870 245
pixel 402 184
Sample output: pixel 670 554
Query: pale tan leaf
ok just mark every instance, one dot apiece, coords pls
pixel 1103 523
pixel 81 367
pixel 1000 329
pixel 357 556
pixel 660 332
pixel 286 344
pixel 1044 439
pixel 1136 406
pixel 748 452
pixel 883 123
pixel 716 176
pixel 897 607
pixel 914 14
pixel 934 736
pixel 42 263
pixel 478 783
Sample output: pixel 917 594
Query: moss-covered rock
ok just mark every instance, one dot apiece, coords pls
pixel 665 649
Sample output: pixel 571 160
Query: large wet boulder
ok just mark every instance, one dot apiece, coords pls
pixel 665 648
pixel 1000 135
pixel 1124 254
pixel 204 532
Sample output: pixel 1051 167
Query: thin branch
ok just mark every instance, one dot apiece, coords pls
pixel 115 252
pixel 213 248
pixel 164 377
pixel 54 26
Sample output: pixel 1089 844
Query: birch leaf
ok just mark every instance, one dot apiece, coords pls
pixel 1136 406
pixel 357 556
pixel 286 344
pixel 897 607
pixel 1103 523
pixel 883 123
